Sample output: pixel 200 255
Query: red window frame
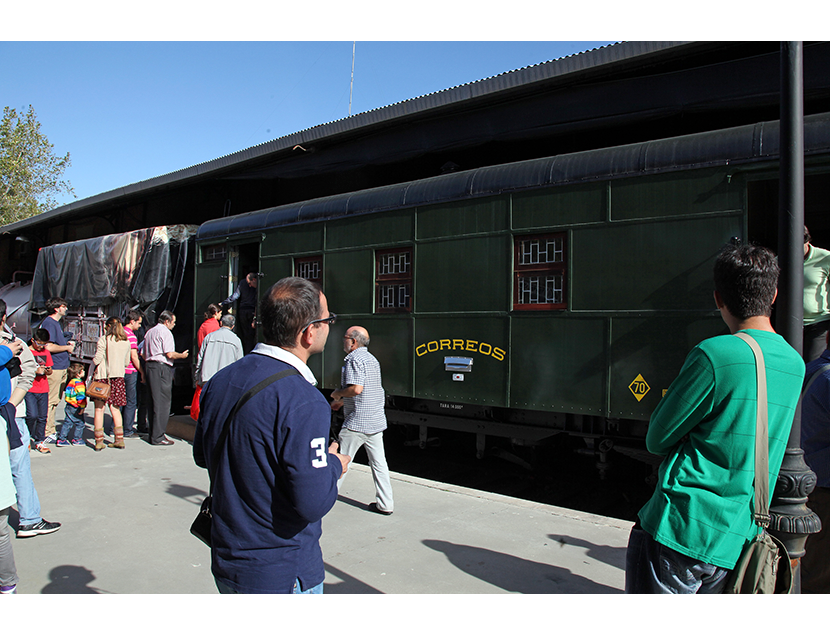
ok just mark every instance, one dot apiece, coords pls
pixel 310 259
pixel 520 270
pixel 397 278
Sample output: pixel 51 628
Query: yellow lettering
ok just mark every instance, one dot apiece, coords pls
pixel 446 344
pixel 429 347
pixel 481 348
pixel 499 354
pixel 471 345
pixel 419 352
pixel 458 344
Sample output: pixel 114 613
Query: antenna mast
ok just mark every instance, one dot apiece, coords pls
pixel 351 83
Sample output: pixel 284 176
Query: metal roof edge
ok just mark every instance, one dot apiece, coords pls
pixel 509 80
pixel 698 150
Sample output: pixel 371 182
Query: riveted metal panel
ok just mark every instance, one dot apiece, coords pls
pixel 558 207
pixel 294 239
pixel 371 229
pixel 466 217
pixel 349 278
pixel 648 266
pixel 558 363
pixel 471 274
pixel 646 354
pixel 275 269
pixel 482 338
pixel 676 194
pixel 391 344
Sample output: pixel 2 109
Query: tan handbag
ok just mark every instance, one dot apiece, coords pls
pixel 97 389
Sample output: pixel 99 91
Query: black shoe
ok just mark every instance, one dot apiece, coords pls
pixel 43 527
pixel 373 507
pixel 165 441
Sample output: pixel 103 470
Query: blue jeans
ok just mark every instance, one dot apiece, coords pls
pixel 128 411
pixel 28 504
pixel 654 568
pixel 37 411
pixel 74 419
pixel 315 590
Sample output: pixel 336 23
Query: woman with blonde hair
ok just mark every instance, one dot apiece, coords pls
pixel 111 359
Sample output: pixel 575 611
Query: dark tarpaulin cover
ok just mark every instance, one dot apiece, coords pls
pixel 135 267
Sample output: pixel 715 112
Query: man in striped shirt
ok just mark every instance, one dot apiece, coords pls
pixel 362 398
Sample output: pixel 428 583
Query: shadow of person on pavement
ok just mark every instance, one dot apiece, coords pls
pixel 347 584
pixel 185 492
pixel 68 578
pixel 513 574
pixel 614 556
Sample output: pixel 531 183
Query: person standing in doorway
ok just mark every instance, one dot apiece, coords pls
pixel 246 294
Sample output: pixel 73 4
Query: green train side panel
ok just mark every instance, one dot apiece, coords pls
pixel 679 193
pixel 297 239
pixel 470 274
pixel 481 338
pixel 558 364
pixel 210 287
pixel 391 343
pixel 349 281
pixel 645 356
pixel 560 206
pixel 466 217
pixel 370 229
pixel 648 266
pixel 274 269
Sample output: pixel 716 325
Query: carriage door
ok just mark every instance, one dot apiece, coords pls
pixel 242 260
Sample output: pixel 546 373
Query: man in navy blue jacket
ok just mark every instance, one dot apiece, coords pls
pixel 275 477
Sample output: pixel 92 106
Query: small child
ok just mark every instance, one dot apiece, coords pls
pixel 37 399
pixel 75 406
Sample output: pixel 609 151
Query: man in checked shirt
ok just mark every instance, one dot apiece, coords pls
pixel 362 398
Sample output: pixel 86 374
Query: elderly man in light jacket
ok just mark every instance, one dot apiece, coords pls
pixel 219 349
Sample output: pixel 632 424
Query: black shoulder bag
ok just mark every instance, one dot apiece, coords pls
pixel 201 526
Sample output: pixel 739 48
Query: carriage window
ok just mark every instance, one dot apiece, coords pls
pixel 393 281
pixel 212 253
pixel 309 268
pixel 539 269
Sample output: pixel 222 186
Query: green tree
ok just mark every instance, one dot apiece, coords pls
pixel 30 172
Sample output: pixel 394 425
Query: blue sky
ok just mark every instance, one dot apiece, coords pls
pixel 130 111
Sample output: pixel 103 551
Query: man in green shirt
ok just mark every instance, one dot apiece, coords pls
pixel 816 298
pixel 693 529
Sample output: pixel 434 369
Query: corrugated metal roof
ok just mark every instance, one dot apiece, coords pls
pixel 740 145
pixel 510 80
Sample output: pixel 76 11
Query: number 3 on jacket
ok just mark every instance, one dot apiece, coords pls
pixel 319 445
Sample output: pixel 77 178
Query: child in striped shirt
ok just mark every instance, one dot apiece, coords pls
pixel 75 406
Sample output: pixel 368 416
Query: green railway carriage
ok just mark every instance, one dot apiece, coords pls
pixel 550 296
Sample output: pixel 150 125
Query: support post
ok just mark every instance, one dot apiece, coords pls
pixel 792 521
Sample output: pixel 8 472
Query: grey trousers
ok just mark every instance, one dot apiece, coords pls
pixel 350 443
pixel 8 572
pixel 160 382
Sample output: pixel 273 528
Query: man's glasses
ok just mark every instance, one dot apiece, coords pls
pixel 331 319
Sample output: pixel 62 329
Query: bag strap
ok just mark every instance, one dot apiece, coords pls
pixel 220 442
pixel 818 373
pixel 761 502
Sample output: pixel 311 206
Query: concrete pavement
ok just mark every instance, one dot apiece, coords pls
pixel 126 516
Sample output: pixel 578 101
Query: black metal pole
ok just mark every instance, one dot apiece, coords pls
pixel 792 521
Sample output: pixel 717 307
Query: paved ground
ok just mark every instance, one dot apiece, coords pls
pixel 126 515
